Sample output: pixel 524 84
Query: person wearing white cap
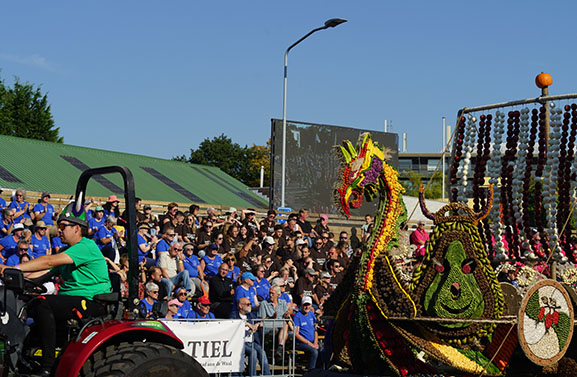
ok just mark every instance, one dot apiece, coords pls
pixel 267 245
pixel 248 219
pixel 9 243
pixel 306 331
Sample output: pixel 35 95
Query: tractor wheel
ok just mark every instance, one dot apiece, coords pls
pixel 140 359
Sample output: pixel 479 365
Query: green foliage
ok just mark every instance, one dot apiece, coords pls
pixel 562 329
pixel 25 112
pixel 242 163
pixel 411 180
pixel 258 155
pixel 533 307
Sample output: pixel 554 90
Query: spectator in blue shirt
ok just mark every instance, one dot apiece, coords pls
pixel 7 222
pixel 106 238
pixel 233 269
pixel 306 331
pixel 96 221
pixel 21 207
pixel 45 211
pixel 246 289
pixel 8 244
pixel 211 261
pixel 149 304
pixel 261 284
pixel 57 244
pixel 111 207
pixel 2 201
pixel 145 247
pixel 22 249
pixel 39 242
pixel 167 239
pixel 195 272
pixel 185 308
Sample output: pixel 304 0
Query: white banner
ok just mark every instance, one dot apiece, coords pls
pixel 217 345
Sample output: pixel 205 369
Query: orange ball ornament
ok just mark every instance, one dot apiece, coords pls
pixel 543 80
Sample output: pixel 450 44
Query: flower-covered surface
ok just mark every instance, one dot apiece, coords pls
pixel 371 306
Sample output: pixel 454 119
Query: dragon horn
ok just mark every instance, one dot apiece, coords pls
pixel 481 215
pixel 348 150
pixel 424 209
pixel 351 148
pixel 345 154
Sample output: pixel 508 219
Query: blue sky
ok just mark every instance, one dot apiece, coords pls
pixel 157 78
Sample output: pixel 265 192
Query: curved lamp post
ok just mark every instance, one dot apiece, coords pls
pixel 330 23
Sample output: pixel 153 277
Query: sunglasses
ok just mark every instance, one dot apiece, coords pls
pixel 171 234
pixel 155 292
pixel 63 226
pixel 23 249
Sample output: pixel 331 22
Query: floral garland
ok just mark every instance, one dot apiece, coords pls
pixel 552 179
pixel 527 276
pixel 518 181
pixel 459 138
pixel 493 166
pixel 569 276
pixel 468 146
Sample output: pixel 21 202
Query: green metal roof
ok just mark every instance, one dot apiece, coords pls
pixel 43 166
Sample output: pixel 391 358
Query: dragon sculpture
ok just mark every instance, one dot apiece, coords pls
pixel 420 327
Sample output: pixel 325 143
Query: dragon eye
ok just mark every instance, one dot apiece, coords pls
pixel 440 265
pixel 468 266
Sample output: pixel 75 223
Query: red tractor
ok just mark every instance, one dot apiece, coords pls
pixel 116 344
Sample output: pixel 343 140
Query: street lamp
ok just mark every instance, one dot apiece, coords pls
pixel 329 23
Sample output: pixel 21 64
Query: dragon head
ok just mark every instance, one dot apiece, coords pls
pixel 361 172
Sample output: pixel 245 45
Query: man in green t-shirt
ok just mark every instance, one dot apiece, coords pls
pixel 84 273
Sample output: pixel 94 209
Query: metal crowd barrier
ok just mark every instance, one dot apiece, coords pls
pixel 281 362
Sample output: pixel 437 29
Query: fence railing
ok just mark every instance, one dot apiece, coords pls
pixel 275 338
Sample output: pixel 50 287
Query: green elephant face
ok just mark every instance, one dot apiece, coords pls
pixel 454 292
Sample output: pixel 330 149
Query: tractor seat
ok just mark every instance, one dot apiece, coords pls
pixel 107 298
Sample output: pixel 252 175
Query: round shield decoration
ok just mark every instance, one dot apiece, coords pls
pixel 545 322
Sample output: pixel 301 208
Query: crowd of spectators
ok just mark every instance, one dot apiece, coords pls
pixel 204 266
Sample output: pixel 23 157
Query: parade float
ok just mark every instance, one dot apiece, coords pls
pixel 509 216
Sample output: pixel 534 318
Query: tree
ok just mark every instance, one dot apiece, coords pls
pixel 412 180
pixel 258 155
pixel 25 112
pixel 242 163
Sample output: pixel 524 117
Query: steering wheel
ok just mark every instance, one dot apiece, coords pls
pixel 37 288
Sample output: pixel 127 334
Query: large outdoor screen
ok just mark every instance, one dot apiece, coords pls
pixel 312 164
